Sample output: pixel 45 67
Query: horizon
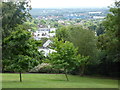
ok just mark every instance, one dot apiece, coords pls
pixel 75 8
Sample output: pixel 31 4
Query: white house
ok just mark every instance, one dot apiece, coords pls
pixel 45 33
pixel 46 51
pixel 45 48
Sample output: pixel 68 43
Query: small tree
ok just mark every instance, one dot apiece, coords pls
pixel 23 63
pixel 22 51
pixel 65 57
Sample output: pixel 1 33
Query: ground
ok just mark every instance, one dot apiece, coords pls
pixel 55 81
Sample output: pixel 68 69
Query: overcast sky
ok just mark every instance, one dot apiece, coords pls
pixel 70 3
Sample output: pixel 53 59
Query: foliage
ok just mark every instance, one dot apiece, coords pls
pixel 92 27
pixel 14 13
pixel 31 25
pixel 100 29
pixel 62 33
pixel 84 40
pixel 22 63
pixel 42 22
pixel 112 34
pixel 109 43
pixel 21 51
pixel 66 56
pixel 83 61
pixel 21 43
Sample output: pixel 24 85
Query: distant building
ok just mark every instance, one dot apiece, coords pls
pixel 46 51
pixel 45 48
pixel 98 17
pixel 45 33
pixel 95 12
pixel 61 21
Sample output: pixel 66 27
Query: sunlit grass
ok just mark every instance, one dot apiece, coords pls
pixel 56 81
pixel 0 81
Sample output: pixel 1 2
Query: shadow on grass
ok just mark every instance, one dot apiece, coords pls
pixel 58 80
pixel 11 82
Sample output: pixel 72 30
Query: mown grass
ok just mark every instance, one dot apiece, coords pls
pixel 55 81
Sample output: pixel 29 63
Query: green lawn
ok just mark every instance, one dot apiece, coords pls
pixel 55 81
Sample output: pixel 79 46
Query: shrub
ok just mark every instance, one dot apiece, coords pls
pixel 45 68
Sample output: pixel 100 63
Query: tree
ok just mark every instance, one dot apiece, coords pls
pixel 65 57
pixel 100 29
pixel 83 39
pixel 112 33
pixel 14 13
pixel 92 27
pixel 31 25
pixel 109 42
pixel 22 51
pixel 62 33
pixel 16 40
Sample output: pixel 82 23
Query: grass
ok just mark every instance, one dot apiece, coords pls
pixel 55 81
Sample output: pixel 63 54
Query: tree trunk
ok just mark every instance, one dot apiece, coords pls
pixel 82 71
pixel 20 77
pixel 66 75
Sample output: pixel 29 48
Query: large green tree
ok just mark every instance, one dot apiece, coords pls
pixel 14 13
pixel 109 42
pixel 22 51
pixel 112 34
pixel 83 39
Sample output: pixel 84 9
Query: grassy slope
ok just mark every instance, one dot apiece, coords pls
pixel 56 81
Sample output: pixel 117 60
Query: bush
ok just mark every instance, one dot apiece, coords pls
pixel 45 68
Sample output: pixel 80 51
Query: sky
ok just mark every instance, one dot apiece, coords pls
pixel 70 3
